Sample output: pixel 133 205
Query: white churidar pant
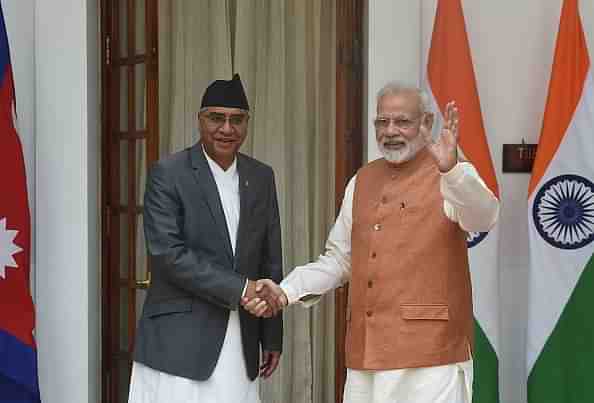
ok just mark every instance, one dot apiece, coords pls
pixel 441 384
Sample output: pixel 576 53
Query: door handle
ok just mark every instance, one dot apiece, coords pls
pixel 144 284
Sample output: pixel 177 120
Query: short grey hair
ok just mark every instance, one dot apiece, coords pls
pixel 398 88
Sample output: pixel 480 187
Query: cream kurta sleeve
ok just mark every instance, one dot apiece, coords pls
pixel 467 201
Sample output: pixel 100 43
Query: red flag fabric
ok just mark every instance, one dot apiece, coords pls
pixel 18 363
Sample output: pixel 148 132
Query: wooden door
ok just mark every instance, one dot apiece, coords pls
pixel 349 136
pixel 130 143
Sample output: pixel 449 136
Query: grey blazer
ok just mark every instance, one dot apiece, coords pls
pixel 196 279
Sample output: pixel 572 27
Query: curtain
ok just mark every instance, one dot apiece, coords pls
pixel 194 50
pixel 284 51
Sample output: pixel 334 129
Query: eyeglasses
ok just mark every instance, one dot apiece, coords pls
pixel 216 120
pixel 401 123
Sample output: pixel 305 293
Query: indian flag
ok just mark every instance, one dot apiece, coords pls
pixel 450 76
pixel 560 338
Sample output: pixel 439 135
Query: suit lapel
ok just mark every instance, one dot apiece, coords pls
pixel 244 203
pixel 206 181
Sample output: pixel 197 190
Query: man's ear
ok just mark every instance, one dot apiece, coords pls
pixel 427 121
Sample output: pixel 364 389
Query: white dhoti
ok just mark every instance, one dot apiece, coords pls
pixel 229 381
pixel 441 384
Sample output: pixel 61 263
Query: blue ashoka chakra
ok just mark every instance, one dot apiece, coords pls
pixel 474 238
pixel 563 212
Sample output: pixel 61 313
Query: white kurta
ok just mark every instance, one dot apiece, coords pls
pixel 467 201
pixel 229 381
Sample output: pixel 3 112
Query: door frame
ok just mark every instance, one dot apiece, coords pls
pixel 350 15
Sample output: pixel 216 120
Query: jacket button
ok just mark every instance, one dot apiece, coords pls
pixel 377 227
pixel 373 255
pixel 369 313
pixel 370 284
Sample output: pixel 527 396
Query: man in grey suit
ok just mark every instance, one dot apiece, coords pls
pixel 212 228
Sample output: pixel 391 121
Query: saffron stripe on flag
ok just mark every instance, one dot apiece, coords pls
pixel 570 66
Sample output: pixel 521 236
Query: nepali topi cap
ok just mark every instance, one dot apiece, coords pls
pixel 226 93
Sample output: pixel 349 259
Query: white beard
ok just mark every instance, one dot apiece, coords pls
pixel 404 154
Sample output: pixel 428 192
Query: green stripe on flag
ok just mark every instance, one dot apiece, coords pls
pixel 563 370
pixel 485 388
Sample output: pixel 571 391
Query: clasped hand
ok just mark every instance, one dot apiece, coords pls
pixel 264 298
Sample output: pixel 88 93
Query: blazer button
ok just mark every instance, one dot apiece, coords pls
pixel 373 255
pixel 370 284
pixel 369 313
pixel 377 227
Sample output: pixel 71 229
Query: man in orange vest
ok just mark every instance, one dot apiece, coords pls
pixel 400 240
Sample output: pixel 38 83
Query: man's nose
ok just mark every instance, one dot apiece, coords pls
pixel 226 127
pixel 392 129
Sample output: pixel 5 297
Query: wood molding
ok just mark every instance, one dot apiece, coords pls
pixel 349 138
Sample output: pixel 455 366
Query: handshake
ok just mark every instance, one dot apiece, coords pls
pixel 264 298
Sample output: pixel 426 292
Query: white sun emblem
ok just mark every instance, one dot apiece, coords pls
pixel 7 248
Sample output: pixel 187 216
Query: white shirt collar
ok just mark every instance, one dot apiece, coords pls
pixel 216 168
